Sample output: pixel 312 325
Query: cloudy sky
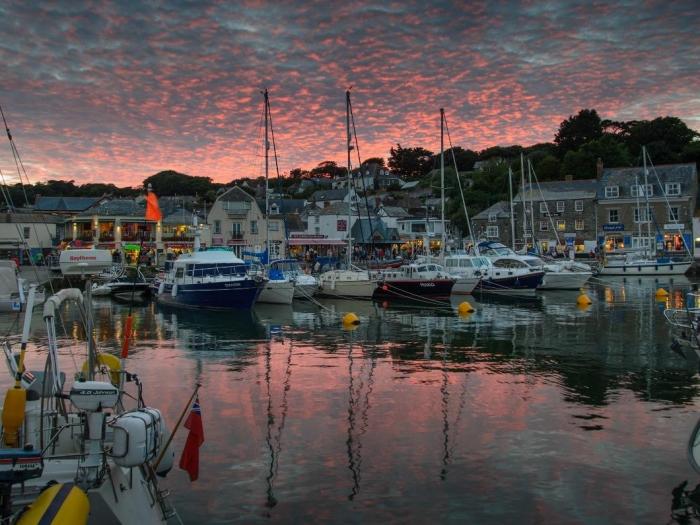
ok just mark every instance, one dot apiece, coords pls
pixel 116 91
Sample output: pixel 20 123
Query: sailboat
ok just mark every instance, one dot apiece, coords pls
pixel 78 452
pixel 278 289
pixel 352 282
pixel 647 263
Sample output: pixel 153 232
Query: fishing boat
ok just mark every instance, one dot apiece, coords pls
pixel 414 282
pixel 71 451
pixel 351 282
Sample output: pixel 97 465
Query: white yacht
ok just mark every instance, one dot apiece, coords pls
pixel 501 275
pixel 305 284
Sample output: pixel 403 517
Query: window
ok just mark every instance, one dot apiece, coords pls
pixel 578 205
pixel 492 232
pixel 613 216
pixel 254 227
pixel 236 228
pixel 674 214
pixel 543 208
pixel 643 191
pixel 27 232
pixel 544 226
pixel 641 214
pixel 561 225
pixel 560 206
pixel 642 242
pixel 274 226
pixel 578 224
pixel 317 230
pixel 673 189
pixel 217 227
pixel 492 217
pixel 612 192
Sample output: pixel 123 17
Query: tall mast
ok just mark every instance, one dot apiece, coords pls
pixel 267 186
pixel 522 185
pixel 442 182
pixel 512 218
pixel 639 210
pixel 646 198
pixel 349 137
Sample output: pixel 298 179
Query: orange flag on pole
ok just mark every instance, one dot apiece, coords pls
pixel 152 209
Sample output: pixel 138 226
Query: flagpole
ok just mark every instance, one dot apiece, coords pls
pixel 177 426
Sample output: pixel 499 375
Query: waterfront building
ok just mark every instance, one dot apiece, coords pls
pixel 40 233
pixel 66 206
pixel 493 224
pixel 325 198
pixel 671 192
pixel 558 211
pixel 238 222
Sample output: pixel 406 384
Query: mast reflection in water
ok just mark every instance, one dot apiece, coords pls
pixel 521 412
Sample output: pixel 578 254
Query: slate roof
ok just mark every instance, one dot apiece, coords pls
pixel 118 207
pixel 285 206
pixel 328 195
pixel 501 209
pixel 362 229
pixel 625 178
pixel 560 190
pixel 395 211
pixel 64 204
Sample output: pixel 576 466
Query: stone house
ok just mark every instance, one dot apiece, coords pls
pixel 638 210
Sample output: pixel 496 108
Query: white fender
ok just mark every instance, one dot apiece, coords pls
pixel 173 290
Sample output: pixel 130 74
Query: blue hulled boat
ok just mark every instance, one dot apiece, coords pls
pixel 210 279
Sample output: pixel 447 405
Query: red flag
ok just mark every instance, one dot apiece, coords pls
pixel 189 460
pixel 152 209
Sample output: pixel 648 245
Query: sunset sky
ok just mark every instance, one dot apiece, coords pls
pixel 117 91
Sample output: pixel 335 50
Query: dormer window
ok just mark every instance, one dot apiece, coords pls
pixel 639 190
pixel 673 189
pixel 612 192
pixel 493 217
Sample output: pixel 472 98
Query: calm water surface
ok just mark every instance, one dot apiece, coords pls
pixel 523 412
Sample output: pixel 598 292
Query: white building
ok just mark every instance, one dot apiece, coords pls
pixel 235 220
pixel 40 233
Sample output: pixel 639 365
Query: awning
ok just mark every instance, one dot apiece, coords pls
pixel 315 242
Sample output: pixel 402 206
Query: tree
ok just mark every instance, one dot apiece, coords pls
pixel 328 169
pixel 374 160
pixel 548 168
pixel 581 164
pixel 174 183
pixel 465 158
pixel 575 131
pixel 410 162
pixel 298 173
pixel 664 137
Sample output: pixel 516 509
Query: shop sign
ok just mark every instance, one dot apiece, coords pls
pixel 674 227
pixel 342 225
pixel 613 227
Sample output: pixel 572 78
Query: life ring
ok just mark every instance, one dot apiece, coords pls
pixel 111 362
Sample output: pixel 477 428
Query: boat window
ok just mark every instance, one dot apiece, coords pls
pixel 212 269
pixel 431 267
pixel 465 263
pixel 421 269
pixel 509 263
pixel 179 273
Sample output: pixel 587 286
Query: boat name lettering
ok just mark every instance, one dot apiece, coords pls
pixel 83 258
pixel 231 285
pixel 427 284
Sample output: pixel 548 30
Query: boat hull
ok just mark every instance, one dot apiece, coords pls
pixel 277 292
pixel 346 284
pixel 645 268
pixel 465 285
pixel 305 291
pixel 512 285
pixel 564 280
pixel 414 290
pixel 216 295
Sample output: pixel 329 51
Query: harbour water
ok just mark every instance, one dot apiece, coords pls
pixel 527 411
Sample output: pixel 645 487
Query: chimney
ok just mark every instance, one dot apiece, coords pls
pixel 599 168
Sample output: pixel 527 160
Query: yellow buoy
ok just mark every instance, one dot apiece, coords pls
pixel 350 319
pixel 60 503
pixel 465 308
pixel 583 299
pixel 13 415
pixel 661 293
